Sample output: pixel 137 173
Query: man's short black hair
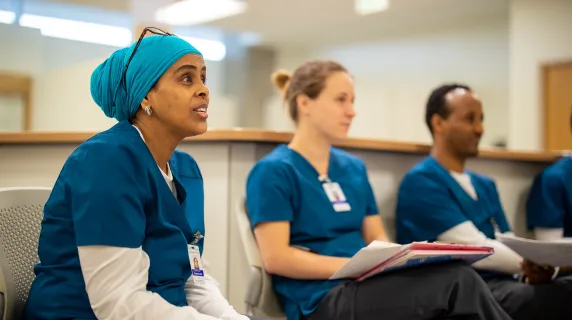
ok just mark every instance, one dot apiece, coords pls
pixel 436 103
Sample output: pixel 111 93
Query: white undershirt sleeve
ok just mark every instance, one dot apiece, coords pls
pixel 207 298
pixel 548 234
pixel 116 284
pixel 504 259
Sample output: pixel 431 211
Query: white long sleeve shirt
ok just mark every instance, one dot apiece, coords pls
pixel 116 284
pixel 548 234
pixel 504 259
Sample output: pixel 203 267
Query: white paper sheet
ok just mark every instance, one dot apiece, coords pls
pixel 554 253
pixel 367 258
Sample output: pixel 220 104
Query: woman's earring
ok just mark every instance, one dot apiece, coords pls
pixel 148 110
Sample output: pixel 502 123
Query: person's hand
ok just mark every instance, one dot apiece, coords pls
pixel 536 274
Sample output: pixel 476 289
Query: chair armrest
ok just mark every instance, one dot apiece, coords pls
pixel 254 289
pixel 2 306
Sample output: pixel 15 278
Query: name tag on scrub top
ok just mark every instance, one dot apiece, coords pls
pixel 336 196
pixel 198 273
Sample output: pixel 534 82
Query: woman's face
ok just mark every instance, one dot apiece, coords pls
pixel 180 98
pixel 332 111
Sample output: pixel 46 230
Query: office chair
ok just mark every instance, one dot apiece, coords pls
pixel 260 299
pixel 21 213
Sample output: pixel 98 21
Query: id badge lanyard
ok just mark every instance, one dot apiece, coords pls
pixel 197 270
pixel 335 194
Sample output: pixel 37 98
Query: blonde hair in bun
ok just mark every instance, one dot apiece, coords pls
pixel 281 79
pixel 309 80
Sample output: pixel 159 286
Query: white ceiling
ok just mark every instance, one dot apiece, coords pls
pixel 314 22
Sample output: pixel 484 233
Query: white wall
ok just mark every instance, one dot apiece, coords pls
pixel 11 111
pixel 61 71
pixel 394 78
pixel 540 32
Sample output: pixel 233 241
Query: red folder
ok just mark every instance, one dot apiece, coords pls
pixel 384 257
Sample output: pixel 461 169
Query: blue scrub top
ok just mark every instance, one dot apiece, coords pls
pixel 284 186
pixel 111 192
pixel 430 201
pixel 549 203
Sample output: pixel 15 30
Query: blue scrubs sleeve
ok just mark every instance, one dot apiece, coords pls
pixel 106 189
pixel 499 214
pixel 425 209
pixel 545 207
pixel 268 194
pixel 371 205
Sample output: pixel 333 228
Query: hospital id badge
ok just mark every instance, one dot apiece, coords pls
pixel 336 196
pixel 197 271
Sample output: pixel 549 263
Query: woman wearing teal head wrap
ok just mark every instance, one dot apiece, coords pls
pixel 160 75
pixel 123 230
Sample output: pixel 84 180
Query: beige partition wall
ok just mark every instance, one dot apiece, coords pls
pixel 226 157
pixel 15 101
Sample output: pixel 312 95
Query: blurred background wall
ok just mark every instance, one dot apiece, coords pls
pixel 396 55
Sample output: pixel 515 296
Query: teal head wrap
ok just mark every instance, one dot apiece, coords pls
pixel 155 55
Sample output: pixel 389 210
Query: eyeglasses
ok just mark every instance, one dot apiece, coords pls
pixel 152 30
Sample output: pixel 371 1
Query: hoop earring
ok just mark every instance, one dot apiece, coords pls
pixel 148 110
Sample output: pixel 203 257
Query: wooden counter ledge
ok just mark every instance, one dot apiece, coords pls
pixel 264 136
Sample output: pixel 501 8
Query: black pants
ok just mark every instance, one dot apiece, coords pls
pixel 441 291
pixel 530 302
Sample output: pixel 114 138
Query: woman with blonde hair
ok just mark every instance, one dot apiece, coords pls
pixel 312 208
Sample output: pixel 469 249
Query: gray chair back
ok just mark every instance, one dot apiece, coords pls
pixel 21 213
pixel 260 299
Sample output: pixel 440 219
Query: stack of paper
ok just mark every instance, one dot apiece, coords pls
pixel 382 256
pixel 556 253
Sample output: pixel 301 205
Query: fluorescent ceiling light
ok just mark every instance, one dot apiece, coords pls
pixel 189 12
pixel 78 30
pixel 7 17
pixel 365 7
pixel 211 49
pixel 108 35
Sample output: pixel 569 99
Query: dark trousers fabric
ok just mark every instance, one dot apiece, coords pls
pixel 533 302
pixel 441 291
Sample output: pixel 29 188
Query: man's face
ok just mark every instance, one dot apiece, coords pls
pixel 463 128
